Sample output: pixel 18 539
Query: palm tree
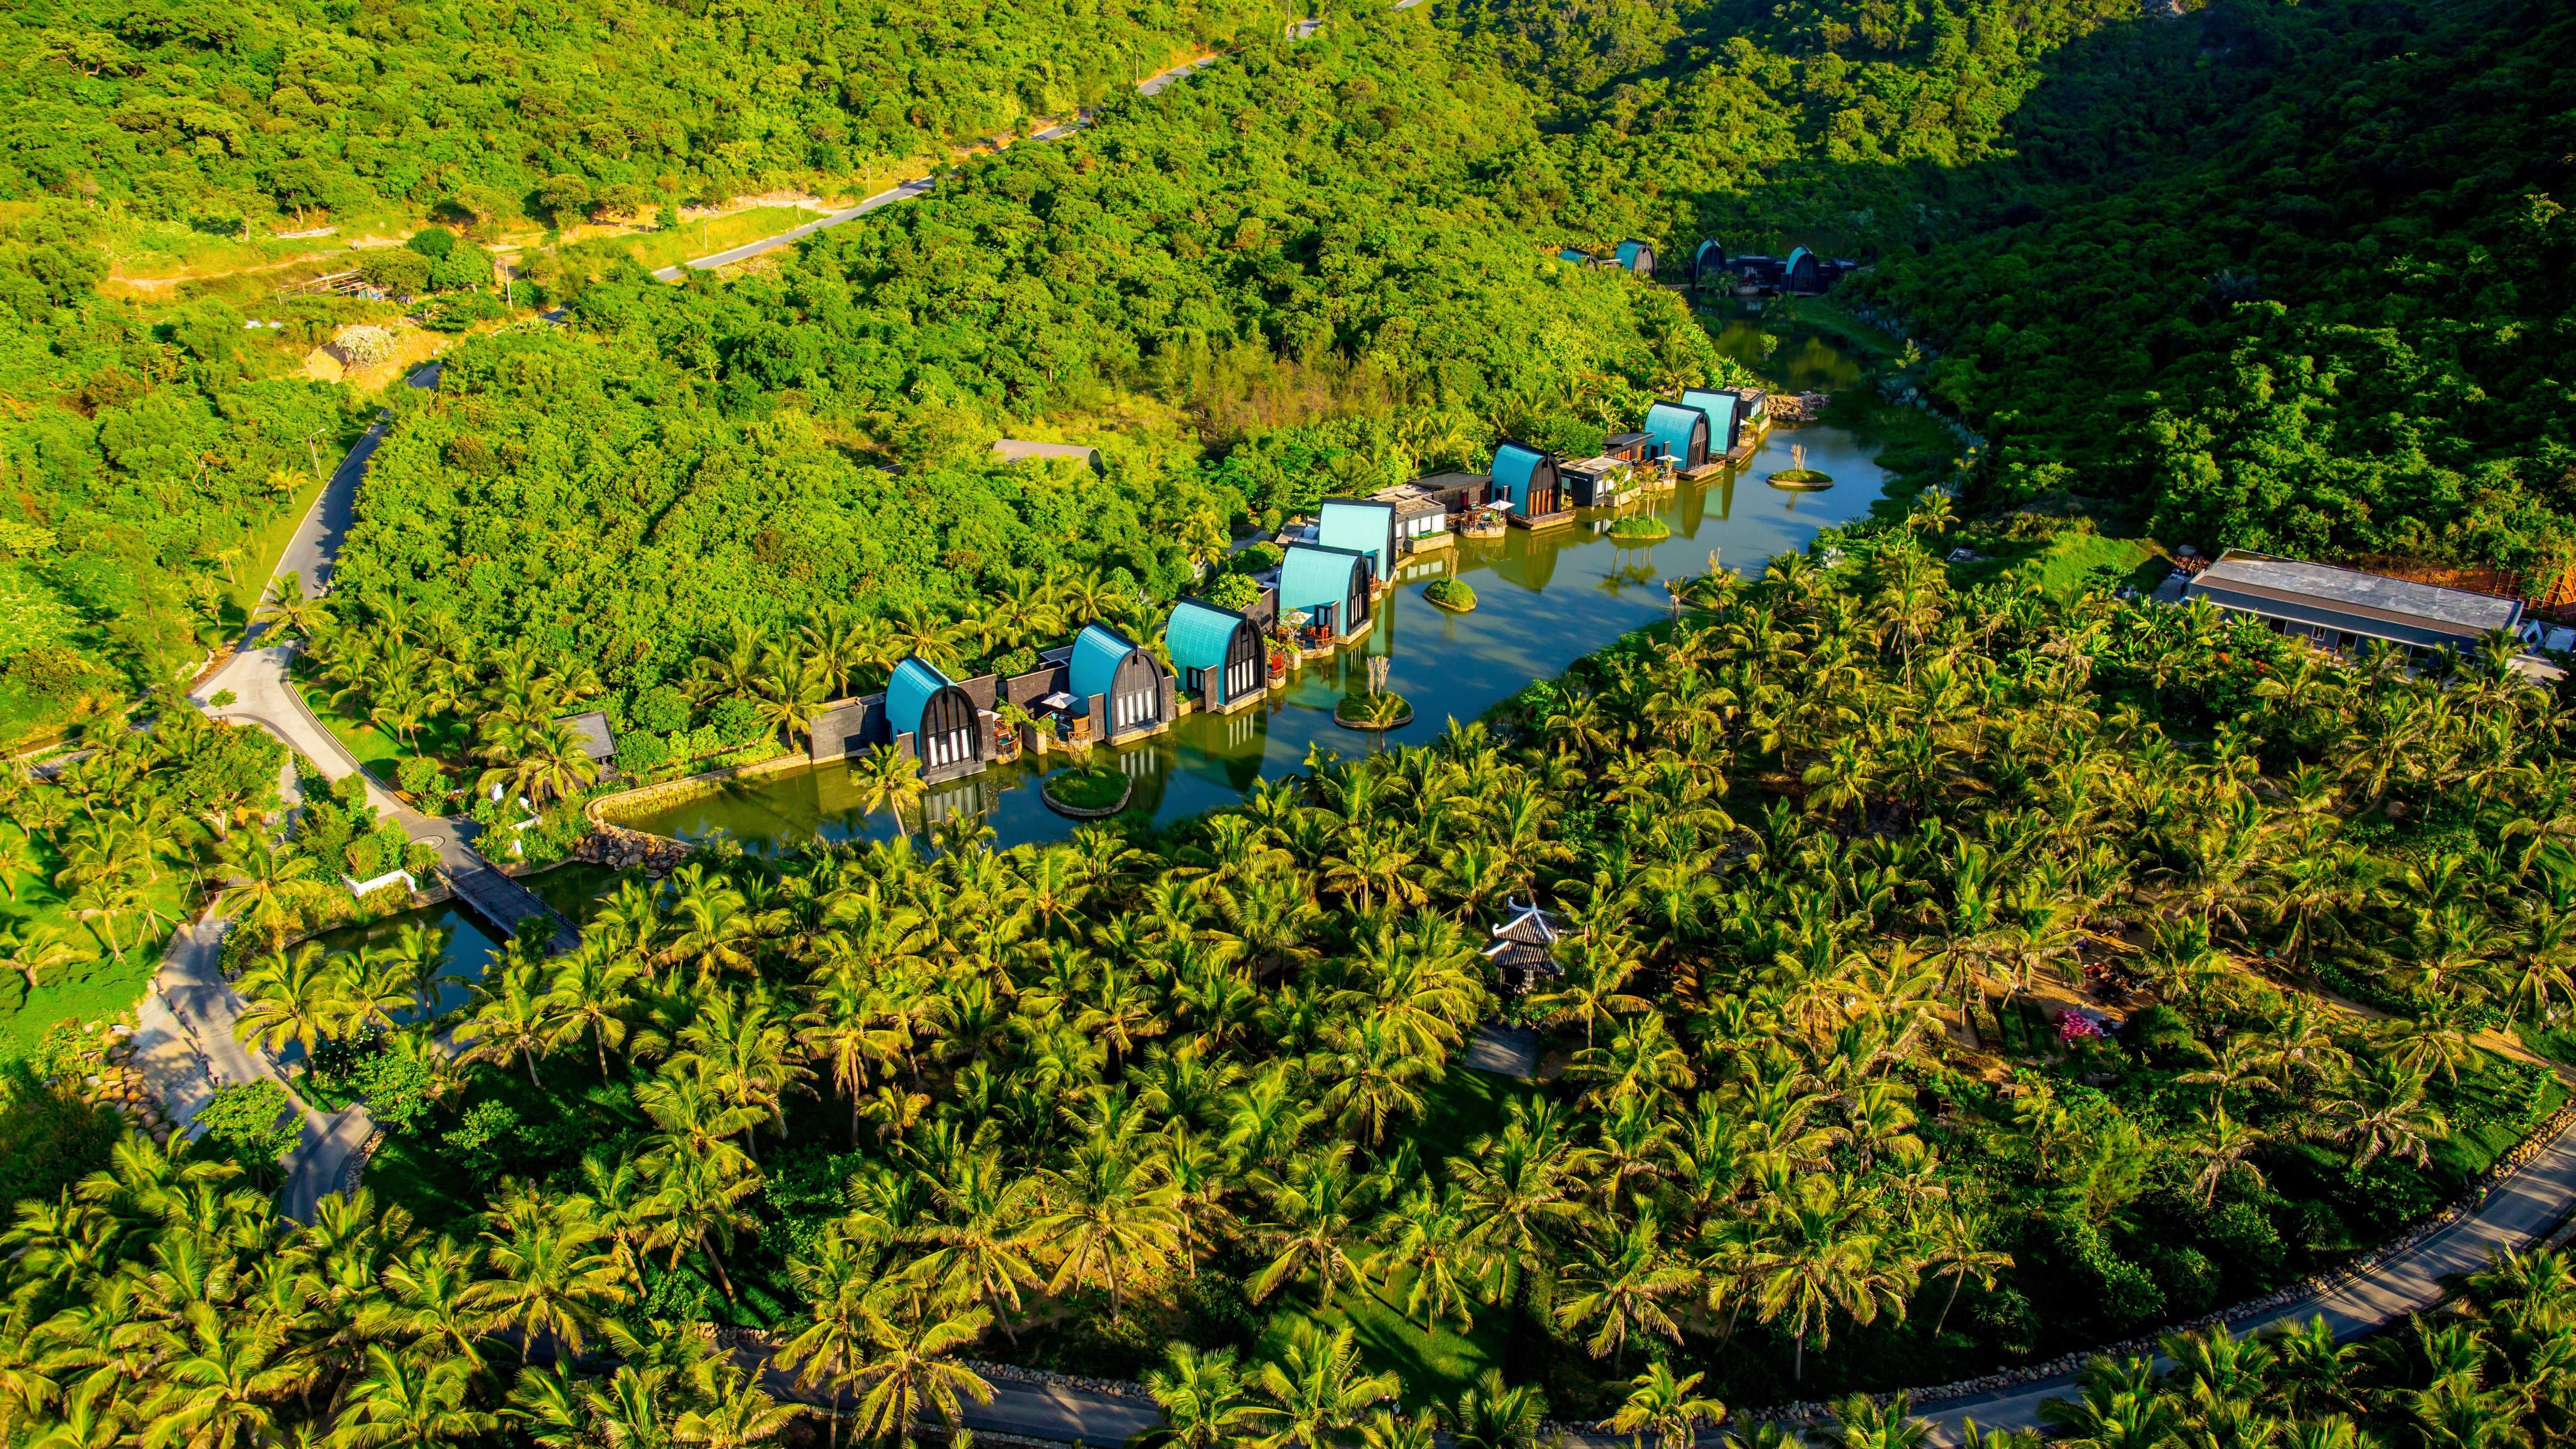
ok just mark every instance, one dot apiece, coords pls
pixel 1423 1236
pixel 513 1016
pixel 732 1411
pixel 404 1400
pixel 1817 1259
pixel 1316 1390
pixel 836 1279
pixel 1202 1397
pixel 1492 1414
pixel 272 883
pixel 2116 1407
pixel 790 689
pixel 1666 1407
pixel 2380 1108
pixel 298 998
pixel 220 1380
pixel 1516 1198
pixel 551 1278
pixel 1623 1284
pixel 1956 1249
pixel 2223 1152
pixel 1861 1422
pixel 17 858
pixel 32 948
pixel 1105 1217
pixel 888 779
pixel 586 995
pixel 1316 1212
pixel 905 1378
pixel 698 1205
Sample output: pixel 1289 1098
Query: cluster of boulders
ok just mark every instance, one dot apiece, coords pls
pixel 119 1088
pixel 619 848
pixel 1115 1388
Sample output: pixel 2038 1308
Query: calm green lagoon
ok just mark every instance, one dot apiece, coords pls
pixel 1542 602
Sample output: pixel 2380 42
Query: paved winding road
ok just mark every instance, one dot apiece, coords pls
pixel 185 1047
pixel 2517 1212
pixel 919 186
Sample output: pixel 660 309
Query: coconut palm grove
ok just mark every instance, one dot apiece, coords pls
pixel 1492 723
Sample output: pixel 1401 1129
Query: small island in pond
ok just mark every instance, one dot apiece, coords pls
pixel 1087 791
pixel 1451 594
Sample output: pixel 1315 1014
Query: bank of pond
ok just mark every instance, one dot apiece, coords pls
pixel 1544 598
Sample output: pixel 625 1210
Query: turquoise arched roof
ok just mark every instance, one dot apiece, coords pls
pixel 1700 258
pixel 1720 408
pixel 1629 251
pixel 1789 268
pixel 1311 576
pixel 908 693
pixel 1671 424
pixel 1097 652
pixel 1198 634
pixel 1362 525
pixel 1513 465
pixel 1571 254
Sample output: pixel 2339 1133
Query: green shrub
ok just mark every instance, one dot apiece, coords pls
pixel 253 1124
pixel 640 754
pixel 1234 591
pixel 396 269
pixel 660 709
pixel 737 721
pixel 1451 594
pixel 421 778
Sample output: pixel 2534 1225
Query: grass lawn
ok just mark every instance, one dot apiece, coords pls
pixel 2067 564
pixel 378 751
pixel 658 249
pixel 97 986
pixel 1435 1364
pixel 1463 1106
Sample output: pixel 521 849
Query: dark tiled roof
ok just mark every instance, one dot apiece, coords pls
pixel 2376 595
pixel 596 741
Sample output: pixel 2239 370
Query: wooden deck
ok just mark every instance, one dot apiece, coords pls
pixel 511 908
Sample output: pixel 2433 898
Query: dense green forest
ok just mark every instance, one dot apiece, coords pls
pixel 141 455
pixel 2158 260
pixel 270 112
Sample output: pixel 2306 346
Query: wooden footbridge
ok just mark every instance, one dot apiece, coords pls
pixel 507 905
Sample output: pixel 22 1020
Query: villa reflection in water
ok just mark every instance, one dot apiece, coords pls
pixel 1543 600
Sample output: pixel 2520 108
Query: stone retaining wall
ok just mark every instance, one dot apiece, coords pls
pixel 606 809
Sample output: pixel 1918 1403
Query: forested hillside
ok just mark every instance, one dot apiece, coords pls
pixel 2321 306
pixel 268 111
pixel 140 453
pixel 1288 244
pixel 2286 277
